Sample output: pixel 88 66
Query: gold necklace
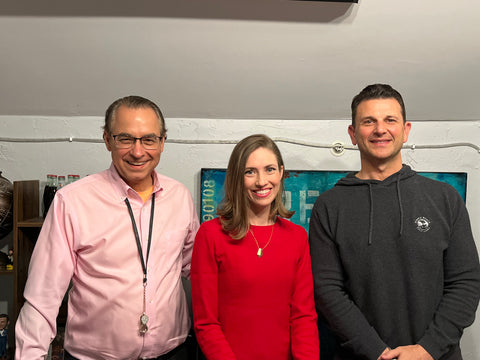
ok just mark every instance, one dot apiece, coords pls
pixel 260 250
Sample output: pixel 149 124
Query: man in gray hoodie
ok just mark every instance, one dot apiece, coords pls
pixel 394 262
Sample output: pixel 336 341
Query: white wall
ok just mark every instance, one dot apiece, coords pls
pixel 275 59
pixel 23 161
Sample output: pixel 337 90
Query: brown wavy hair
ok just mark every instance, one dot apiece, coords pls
pixel 233 209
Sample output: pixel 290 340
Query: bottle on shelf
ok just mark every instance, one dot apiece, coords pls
pixel 49 192
pixel 72 178
pixel 61 181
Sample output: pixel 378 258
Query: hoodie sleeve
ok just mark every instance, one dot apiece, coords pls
pixel 457 307
pixel 331 298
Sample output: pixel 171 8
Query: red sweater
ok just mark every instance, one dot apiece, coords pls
pixel 249 308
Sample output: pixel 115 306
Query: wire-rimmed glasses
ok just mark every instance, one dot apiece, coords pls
pixel 126 141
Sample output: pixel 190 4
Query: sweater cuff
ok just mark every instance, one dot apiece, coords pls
pixel 369 345
pixel 430 346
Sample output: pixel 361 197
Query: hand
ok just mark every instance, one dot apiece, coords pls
pixel 384 352
pixel 410 352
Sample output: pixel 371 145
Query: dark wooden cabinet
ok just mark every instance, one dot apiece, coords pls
pixel 26 227
pixel 27 223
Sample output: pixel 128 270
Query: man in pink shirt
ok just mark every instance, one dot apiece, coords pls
pixel 124 239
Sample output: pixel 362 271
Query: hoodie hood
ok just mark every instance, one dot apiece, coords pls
pixel 351 180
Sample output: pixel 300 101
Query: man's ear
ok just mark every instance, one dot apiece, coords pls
pixel 108 140
pixel 351 132
pixel 406 130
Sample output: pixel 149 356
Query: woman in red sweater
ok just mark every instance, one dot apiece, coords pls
pixel 252 288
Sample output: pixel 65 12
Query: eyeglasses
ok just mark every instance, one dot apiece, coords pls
pixel 149 142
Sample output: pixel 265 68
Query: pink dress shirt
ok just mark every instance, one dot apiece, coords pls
pixel 87 237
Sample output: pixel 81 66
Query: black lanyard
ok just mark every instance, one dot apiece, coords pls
pixel 137 237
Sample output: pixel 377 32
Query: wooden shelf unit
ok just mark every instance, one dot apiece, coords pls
pixel 26 227
pixel 27 224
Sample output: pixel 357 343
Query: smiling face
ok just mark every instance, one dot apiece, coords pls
pixel 262 181
pixel 136 164
pixel 380 132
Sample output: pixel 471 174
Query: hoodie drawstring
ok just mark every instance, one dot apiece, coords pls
pixel 370 223
pixel 399 198
pixel 400 204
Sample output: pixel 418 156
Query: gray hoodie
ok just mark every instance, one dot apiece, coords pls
pixel 394 263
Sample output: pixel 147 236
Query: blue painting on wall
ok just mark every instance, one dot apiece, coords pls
pixel 301 189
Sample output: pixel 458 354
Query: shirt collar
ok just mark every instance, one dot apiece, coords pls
pixel 123 189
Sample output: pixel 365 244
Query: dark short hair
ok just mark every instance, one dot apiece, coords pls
pixel 377 91
pixel 4 316
pixel 133 102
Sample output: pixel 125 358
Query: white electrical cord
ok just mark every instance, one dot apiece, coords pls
pixel 337 148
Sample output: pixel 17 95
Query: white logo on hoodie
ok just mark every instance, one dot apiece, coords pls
pixel 423 224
